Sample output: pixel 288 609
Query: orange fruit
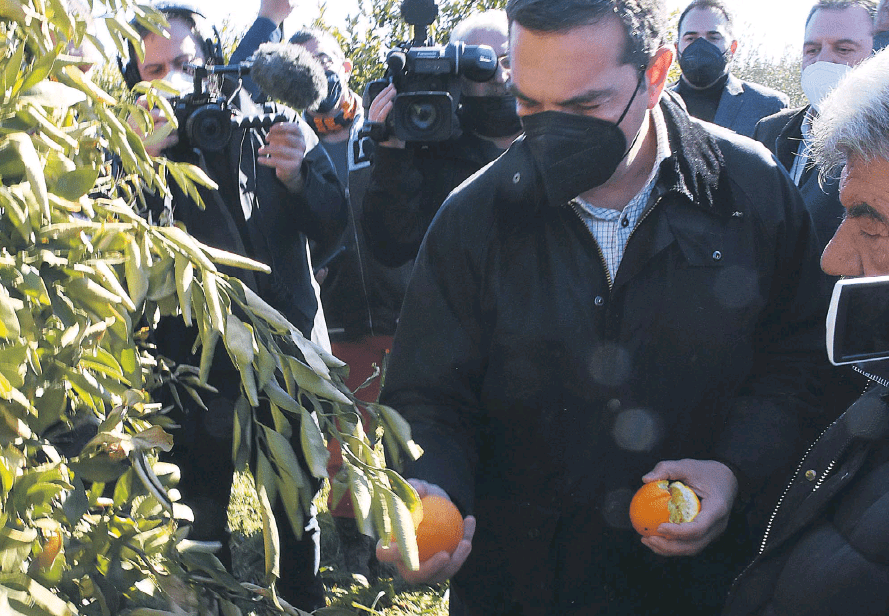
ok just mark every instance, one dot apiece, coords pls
pixel 51 548
pixel 662 501
pixel 440 529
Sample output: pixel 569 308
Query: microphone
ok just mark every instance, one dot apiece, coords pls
pixel 288 74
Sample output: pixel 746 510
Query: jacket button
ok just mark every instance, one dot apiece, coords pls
pixel 810 475
pixel 717 255
pixel 599 301
pixel 516 178
pixel 534 533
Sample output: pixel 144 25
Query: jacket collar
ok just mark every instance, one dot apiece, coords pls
pixel 696 168
pixel 788 140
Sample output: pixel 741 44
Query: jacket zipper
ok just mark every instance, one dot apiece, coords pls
pixel 645 215
pixel 826 472
pixel 602 260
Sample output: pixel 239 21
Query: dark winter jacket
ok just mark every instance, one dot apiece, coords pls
pixel 743 103
pixel 254 214
pixel 407 186
pixel 826 552
pixel 541 394
pixel 361 296
pixel 782 133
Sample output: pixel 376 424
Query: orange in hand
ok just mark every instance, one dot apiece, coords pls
pixel 662 501
pixel 441 528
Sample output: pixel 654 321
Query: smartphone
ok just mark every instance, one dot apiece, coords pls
pixel 858 321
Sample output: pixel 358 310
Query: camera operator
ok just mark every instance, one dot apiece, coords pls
pixel 361 297
pixel 409 182
pixel 276 188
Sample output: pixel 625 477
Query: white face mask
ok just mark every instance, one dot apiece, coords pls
pixel 182 83
pixel 819 79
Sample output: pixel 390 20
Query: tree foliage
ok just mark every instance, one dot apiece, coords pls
pixel 89 519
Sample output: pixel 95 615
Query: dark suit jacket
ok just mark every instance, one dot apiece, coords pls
pixel 782 133
pixel 744 103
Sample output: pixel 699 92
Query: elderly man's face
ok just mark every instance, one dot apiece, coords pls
pixel 860 247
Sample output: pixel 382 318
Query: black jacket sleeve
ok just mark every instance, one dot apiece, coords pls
pixel 262 31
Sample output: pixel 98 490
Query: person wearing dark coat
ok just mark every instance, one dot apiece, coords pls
pixel 838 36
pixel 580 320
pixel 706 45
pixel 276 189
pixel 409 181
pixel 826 548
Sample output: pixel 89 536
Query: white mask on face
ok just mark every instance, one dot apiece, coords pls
pixel 182 83
pixel 819 79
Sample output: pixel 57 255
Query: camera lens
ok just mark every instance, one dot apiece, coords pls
pixel 422 116
pixel 209 128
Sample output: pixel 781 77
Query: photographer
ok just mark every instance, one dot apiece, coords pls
pixel 409 182
pixel 276 188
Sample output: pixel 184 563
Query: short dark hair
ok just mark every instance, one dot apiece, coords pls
pixel 204 34
pixel 643 21
pixel 301 37
pixel 709 5
pixel 836 5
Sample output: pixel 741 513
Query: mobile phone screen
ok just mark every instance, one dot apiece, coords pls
pixel 858 320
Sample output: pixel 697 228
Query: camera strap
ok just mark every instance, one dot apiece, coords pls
pixel 324 125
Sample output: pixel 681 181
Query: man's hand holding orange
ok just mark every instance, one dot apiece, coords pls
pixel 717 488
pixel 442 565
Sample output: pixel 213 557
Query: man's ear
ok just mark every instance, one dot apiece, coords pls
pixel 734 46
pixel 657 71
pixel 347 66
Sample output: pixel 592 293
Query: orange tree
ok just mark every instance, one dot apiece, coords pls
pixel 89 524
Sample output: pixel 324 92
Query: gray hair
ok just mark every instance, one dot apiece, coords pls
pixel 854 118
pixel 494 19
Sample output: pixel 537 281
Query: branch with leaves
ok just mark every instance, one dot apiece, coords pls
pixel 89 518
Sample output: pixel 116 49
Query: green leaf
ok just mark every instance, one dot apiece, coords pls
pixel 360 492
pixel 402 527
pixel 270 537
pixel 312 382
pixel 75 184
pixel 184 272
pixel 24 147
pixel 9 321
pixel 313 447
pixel 399 428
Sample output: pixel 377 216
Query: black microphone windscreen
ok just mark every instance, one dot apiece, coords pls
pixel 288 73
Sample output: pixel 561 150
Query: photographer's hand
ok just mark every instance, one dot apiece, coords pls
pixel 163 136
pixel 284 150
pixel 379 111
pixel 276 11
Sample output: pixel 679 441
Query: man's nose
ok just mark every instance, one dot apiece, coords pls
pixel 840 256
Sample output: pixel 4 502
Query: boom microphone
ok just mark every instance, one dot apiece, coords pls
pixel 289 74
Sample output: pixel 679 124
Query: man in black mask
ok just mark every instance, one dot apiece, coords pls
pixel 624 295
pixel 706 45
pixel 409 182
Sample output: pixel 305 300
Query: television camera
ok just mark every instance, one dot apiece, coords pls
pixel 427 77
pixel 205 116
